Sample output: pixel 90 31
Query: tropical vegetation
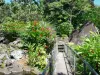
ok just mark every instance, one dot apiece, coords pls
pixel 38 22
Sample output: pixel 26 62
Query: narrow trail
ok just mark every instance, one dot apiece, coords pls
pixel 61 64
pixel 65 61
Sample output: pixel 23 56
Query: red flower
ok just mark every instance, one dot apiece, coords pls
pixel 35 23
pixel 41 35
pixel 46 46
pixel 48 29
pixel 92 51
pixel 39 53
pixel 42 28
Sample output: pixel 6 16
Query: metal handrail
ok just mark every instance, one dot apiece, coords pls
pixel 84 62
pixel 49 67
pixel 45 70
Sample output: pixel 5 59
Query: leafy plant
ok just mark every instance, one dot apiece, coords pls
pixel 90 50
pixel 13 29
pixel 39 33
pixel 39 38
pixel 37 56
pixel 15 26
pixel 93 15
pixel 66 14
pixel 64 28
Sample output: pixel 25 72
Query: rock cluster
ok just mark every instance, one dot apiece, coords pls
pixel 13 60
pixel 77 35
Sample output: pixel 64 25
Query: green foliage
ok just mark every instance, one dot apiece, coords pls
pixel 37 57
pixel 64 28
pixel 90 50
pixel 16 26
pixel 39 39
pixel 93 15
pixel 64 15
pixel 33 32
pixel 66 12
pixel 39 32
pixel 19 11
pixel 13 29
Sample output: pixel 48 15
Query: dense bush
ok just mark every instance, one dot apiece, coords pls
pixel 19 11
pixel 37 57
pixel 37 36
pixel 24 19
pixel 66 14
pixel 11 30
pixel 16 26
pixel 42 36
pixel 64 28
pixel 33 32
pixel 39 33
pixel 90 50
pixel 93 15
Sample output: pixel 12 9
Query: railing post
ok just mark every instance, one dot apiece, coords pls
pixel 84 67
pixel 47 68
pixel 50 65
pixel 66 50
pixel 74 64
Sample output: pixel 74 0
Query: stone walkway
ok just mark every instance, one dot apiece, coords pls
pixel 62 66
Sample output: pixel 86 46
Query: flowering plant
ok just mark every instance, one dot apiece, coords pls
pixel 40 33
pixel 90 50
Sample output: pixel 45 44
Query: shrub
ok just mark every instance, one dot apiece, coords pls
pixel 64 28
pixel 15 26
pixel 39 33
pixel 37 57
pixel 90 50
pixel 12 29
pixel 38 37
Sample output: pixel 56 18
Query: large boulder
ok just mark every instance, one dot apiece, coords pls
pixel 16 43
pixel 17 54
pixel 77 35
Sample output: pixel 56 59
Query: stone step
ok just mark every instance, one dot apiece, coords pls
pixel 61 48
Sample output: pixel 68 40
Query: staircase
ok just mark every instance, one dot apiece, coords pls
pixel 60 47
